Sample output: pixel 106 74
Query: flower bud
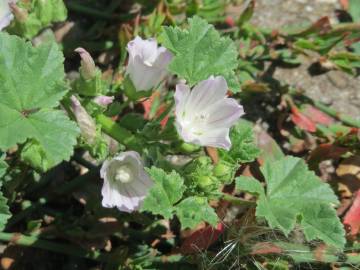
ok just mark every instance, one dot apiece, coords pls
pixel 199 174
pixel 103 100
pixel 206 182
pixel 224 171
pixel 86 123
pixel 88 68
pixel 20 14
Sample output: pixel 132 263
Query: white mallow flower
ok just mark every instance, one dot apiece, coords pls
pixel 205 114
pixel 147 65
pixel 6 15
pixel 126 183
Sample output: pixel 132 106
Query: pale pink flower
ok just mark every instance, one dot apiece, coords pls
pixel 148 63
pixel 126 183
pixel 103 100
pixel 205 114
pixel 6 15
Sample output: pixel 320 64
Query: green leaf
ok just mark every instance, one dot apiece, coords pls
pixel 194 210
pixel 354 10
pixel 167 190
pixel 4 211
pixel 250 184
pixel 4 208
pixel 32 83
pixel 3 167
pixel 200 52
pixel 295 194
pixel 247 14
pixel 243 147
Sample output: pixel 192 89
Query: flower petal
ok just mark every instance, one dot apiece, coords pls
pixel 206 93
pixel 163 59
pixel 146 49
pixel 126 196
pixel 104 100
pixel 216 138
pixel 143 76
pixel 181 96
pixel 224 113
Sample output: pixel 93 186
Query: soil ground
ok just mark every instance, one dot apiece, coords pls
pixel 335 88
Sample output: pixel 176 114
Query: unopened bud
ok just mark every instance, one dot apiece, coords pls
pixel 224 171
pixel 86 123
pixel 88 68
pixel 206 182
pixel 20 14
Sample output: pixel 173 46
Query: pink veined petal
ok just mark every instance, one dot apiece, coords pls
pixel 163 59
pixel 104 169
pixel 129 197
pixel 134 159
pixel 143 76
pixel 216 138
pixel 110 195
pixel 181 96
pixel 185 134
pixel 145 49
pixel 125 196
pixel 5 13
pixel 224 113
pixel 140 186
pixel 5 21
pixel 206 93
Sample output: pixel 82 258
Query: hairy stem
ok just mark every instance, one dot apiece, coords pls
pixel 341 117
pixel 237 201
pixel 119 133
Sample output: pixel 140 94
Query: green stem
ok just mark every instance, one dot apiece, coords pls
pixel 32 241
pixel 341 117
pixel 237 201
pixel 346 27
pixel 119 133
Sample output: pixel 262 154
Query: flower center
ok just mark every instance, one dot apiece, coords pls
pixel 200 118
pixel 123 174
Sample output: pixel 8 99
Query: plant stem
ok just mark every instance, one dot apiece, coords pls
pixel 341 117
pixel 346 27
pixel 237 201
pixel 32 241
pixel 122 135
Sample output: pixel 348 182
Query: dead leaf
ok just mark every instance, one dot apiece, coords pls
pixel 352 217
pixel 349 173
